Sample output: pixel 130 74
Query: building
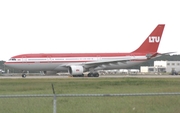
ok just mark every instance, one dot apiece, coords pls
pixel 162 67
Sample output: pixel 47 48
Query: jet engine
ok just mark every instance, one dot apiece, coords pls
pixel 76 70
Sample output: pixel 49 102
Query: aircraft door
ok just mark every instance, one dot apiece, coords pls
pixel 49 59
pixel 24 59
pixel 98 57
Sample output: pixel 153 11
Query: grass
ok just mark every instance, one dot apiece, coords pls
pixel 129 104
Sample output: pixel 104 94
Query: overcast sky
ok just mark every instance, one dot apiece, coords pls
pixel 76 26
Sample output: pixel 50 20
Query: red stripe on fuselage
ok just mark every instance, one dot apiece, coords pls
pixel 55 55
pixel 45 62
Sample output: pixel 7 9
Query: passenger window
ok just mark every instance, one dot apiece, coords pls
pixel 13 59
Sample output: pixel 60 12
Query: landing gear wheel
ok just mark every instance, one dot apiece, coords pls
pixel 93 74
pixel 96 74
pixel 24 75
pixel 90 74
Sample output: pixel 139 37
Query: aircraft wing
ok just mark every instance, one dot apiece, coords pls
pixel 110 62
pixel 107 61
pixel 101 62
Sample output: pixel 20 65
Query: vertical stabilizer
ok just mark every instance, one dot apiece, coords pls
pixel 151 43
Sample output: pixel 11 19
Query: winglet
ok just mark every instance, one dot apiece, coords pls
pixel 151 43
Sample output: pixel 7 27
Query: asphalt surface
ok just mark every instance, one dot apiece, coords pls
pixel 101 76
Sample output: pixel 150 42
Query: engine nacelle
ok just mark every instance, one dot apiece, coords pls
pixel 76 70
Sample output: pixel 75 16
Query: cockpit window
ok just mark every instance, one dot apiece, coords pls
pixel 12 59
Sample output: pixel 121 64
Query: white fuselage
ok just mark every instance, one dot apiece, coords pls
pixel 60 64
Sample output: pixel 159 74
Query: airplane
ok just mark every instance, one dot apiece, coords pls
pixel 77 64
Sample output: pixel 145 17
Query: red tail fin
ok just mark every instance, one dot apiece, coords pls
pixel 151 44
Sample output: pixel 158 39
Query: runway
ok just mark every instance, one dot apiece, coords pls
pixel 101 76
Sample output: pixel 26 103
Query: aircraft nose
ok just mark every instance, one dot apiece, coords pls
pixel 6 64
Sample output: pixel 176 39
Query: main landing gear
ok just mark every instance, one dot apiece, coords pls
pixel 93 74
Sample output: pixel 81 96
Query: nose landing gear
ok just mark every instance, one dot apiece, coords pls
pixel 23 75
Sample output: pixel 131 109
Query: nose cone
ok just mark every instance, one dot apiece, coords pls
pixel 6 64
pixel 9 64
